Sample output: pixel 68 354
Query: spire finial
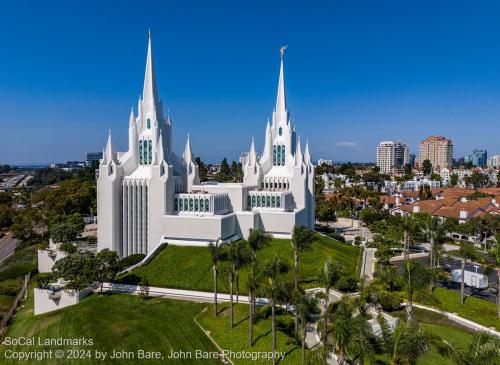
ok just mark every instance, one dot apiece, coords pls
pixel 282 50
pixel 149 33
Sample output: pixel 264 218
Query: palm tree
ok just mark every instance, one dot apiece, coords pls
pixel 416 278
pixel 306 307
pixel 273 289
pixel 361 344
pixel 484 348
pixel 257 240
pixel 301 241
pixel 329 275
pixel 214 253
pixel 253 284
pixel 409 228
pixel 466 252
pixel 237 258
pixel 405 343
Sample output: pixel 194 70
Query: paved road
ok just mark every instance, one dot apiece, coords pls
pixel 8 245
pixel 368 263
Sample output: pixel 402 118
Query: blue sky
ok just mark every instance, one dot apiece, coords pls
pixel 357 72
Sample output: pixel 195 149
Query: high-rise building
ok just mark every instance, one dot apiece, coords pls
pixel 93 157
pixel 148 195
pixel 478 157
pixel 392 156
pixel 438 150
pixel 494 161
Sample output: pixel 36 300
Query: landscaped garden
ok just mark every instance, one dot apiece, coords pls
pixel 191 267
pixel 115 322
pixel 236 338
pixel 478 310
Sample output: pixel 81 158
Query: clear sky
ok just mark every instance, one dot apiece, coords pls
pixel 357 72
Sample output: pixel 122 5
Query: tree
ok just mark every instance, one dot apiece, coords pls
pixel 410 227
pixel 202 169
pixel 325 212
pixel 225 171
pixel 301 240
pixel 484 348
pixel 106 266
pixel 453 179
pixel 144 288
pixel 329 275
pixel 427 167
pixel 79 269
pixel 416 278
pixel 273 288
pixel 306 308
pixel 214 254
pixel 405 343
pixel 6 213
pixel 407 168
pixel 253 285
pixel 466 252
pixel 258 240
pixel 67 247
pixel 237 258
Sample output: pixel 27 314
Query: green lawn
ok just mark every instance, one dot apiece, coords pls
pixel 116 322
pixel 478 310
pixel 237 338
pixel 190 267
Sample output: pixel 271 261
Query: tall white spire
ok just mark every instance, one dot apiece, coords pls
pixel 149 93
pixel 131 119
pixel 268 142
pixel 298 154
pixel 281 97
pixel 109 148
pixel 188 154
pixel 307 155
pixel 252 156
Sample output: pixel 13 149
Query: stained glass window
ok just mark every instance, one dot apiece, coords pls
pixel 140 152
pixel 278 202
pixel 186 204
pixel 254 200
pixel 145 152
pixel 283 155
pixel 274 155
pixel 268 201
pixel 249 201
pixel 196 205
pixel 176 202
pixel 280 131
pixel 150 151
pixel 273 201
pixel 191 204
pixel 207 205
pixel 149 123
pixel 278 156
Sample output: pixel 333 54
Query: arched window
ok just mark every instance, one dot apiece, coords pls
pixel 258 201
pixel 145 152
pixel 278 202
pixel 274 155
pixel 283 155
pixel 280 131
pixel 191 204
pixel 249 202
pixel 196 209
pixel 207 205
pixel 254 200
pixel 186 204
pixel 176 204
pixel 268 202
pixel 278 156
pixel 149 123
pixel 273 201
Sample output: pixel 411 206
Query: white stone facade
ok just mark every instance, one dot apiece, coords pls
pixel 148 195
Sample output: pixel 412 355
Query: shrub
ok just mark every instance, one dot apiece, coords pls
pixel 67 247
pixel 336 236
pixel 10 287
pixel 357 240
pixel 348 283
pixel 130 260
pixel 388 301
pixel 42 280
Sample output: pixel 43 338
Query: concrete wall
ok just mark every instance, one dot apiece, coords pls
pixel 48 257
pixel 44 303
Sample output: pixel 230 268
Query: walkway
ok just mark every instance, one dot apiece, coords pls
pixel 368 265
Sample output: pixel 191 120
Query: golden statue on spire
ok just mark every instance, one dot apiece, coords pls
pixel 282 50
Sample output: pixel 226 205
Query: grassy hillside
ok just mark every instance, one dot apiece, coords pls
pixel 191 268
pixel 115 322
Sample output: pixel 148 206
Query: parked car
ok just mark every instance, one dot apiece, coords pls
pixel 472 279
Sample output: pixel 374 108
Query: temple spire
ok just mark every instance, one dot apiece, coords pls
pixel 307 155
pixel 281 97
pixel 188 154
pixel 149 93
pixel 109 148
pixel 252 155
pixel 132 118
pixel 298 154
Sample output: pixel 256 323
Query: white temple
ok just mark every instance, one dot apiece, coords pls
pixel 148 195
